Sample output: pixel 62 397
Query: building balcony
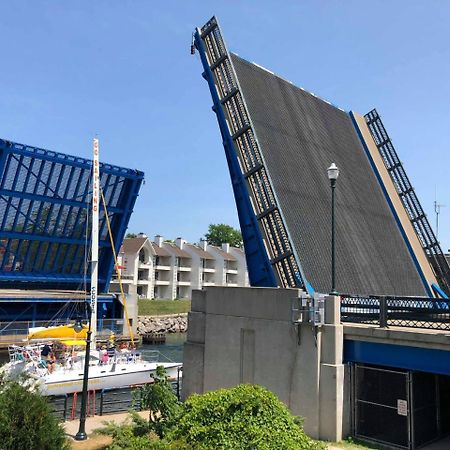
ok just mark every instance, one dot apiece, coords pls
pixel 208 283
pixel 184 269
pixel 183 283
pixel 162 283
pixel 159 267
pixel 208 270
pixel 231 271
pixel 123 279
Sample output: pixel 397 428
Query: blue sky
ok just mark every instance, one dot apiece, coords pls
pixel 122 69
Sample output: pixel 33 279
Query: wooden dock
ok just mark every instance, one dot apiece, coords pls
pixel 153 338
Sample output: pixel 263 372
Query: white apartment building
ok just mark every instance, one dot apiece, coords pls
pixel 170 270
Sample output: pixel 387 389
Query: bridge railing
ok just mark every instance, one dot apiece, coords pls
pixel 410 312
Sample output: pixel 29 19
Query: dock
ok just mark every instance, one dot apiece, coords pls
pixel 153 338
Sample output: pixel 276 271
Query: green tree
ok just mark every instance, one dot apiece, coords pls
pixel 131 235
pixel 247 417
pixel 160 399
pixel 26 420
pixel 221 233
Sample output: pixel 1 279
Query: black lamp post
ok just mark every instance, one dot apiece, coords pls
pixel 81 435
pixel 333 173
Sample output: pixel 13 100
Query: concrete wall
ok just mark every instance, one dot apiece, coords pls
pixel 246 335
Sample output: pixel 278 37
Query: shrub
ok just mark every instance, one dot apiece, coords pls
pixel 159 398
pixel 245 417
pixel 134 436
pixel 26 420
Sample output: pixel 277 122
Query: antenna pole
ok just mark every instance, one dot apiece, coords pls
pixel 437 210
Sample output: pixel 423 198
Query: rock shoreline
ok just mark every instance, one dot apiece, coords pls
pixel 173 323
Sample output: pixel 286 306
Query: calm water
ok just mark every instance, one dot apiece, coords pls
pixel 172 349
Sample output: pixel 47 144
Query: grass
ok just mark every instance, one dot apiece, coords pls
pixel 161 307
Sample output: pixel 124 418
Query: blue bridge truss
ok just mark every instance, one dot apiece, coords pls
pixel 44 217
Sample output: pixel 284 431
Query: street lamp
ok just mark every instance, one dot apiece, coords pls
pixel 333 173
pixel 81 435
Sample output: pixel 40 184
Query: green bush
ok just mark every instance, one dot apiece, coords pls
pixel 26 420
pixel 160 400
pixel 134 436
pixel 245 417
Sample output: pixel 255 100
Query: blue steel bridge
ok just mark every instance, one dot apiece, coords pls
pixel 45 230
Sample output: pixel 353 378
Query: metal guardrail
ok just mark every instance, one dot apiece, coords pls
pixel 409 312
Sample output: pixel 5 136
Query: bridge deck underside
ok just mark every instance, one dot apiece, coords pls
pixel 300 135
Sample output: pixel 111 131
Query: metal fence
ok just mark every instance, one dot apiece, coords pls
pixel 105 401
pixel 411 312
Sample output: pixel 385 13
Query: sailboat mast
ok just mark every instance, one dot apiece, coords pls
pixel 94 238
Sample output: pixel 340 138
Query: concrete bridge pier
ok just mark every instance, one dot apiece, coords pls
pixel 247 335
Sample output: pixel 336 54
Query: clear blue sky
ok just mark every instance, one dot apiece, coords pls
pixel 122 69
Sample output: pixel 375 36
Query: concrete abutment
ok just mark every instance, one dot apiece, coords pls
pixel 238 335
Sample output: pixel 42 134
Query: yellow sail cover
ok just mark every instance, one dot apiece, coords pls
pixel 59 333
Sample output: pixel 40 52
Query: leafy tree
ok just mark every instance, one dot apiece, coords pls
pixel 220 233
pixel 159 398
pixel 246 417
pixel 26 420
pixel 131 235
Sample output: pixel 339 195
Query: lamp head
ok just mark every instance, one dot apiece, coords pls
pixel 78 325
pixel 333 172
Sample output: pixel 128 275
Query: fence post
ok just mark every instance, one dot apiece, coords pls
pixel 383 312
pixel 66 397
pixel 101 401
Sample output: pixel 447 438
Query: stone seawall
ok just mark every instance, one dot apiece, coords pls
pixel 173 323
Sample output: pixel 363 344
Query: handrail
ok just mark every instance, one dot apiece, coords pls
pixel 384 311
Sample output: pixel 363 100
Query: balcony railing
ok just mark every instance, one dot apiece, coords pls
pixel 384 311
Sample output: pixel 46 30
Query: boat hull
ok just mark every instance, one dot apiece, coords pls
pixel 105 377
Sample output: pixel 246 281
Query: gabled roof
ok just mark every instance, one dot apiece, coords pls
pixel 177 250
pixel 133 245
pixel 159 251
pixel 200 252
pixel 226 256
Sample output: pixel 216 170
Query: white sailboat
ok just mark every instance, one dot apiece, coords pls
pixel 118 369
